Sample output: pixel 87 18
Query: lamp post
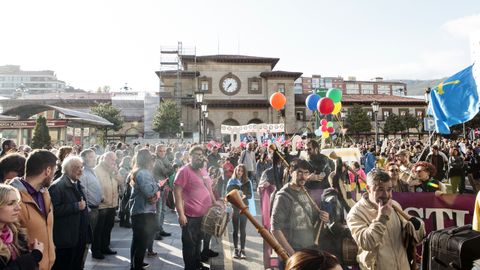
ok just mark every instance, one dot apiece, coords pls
pixel 199 101
pixel 375 106
pixel 181 130
pixel 205 126
pixel 343 115
pixel 204 109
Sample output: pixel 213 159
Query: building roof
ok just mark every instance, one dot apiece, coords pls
pixel 70 95
pixel 281 74
pixel 173 73
pixel 365 99
pixel 230 58
pixel 76 117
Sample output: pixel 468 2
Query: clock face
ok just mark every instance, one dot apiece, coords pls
pixel 230 84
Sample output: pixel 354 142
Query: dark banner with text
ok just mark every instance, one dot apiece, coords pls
pixel 438 212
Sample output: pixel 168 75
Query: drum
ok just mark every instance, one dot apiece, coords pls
pixel 349 251
pixel 215 221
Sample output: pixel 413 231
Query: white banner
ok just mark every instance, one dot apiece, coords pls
pixel 253 128
pixel 347 154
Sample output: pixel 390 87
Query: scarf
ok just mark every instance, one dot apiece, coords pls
pixel 7 239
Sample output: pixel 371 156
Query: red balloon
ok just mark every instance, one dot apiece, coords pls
pixel 324 128
pixel 323 122
pixel 325 105
pixel 331 130
pixel 278 100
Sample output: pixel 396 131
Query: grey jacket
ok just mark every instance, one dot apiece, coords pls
pixel 145 187
pixel 92 187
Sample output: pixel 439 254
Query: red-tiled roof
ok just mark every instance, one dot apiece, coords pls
pixel 281 74
pixel 229 58
pixel 365 99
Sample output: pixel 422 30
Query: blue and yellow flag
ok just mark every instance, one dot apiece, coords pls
pixel 454 101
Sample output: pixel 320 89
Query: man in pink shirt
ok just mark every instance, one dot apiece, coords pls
pixel 193 197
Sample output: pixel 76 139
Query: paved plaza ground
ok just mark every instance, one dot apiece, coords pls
pixel 170 249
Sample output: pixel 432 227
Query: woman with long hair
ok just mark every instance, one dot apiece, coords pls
pixel 124 170
pixel 456 171
pixel 142 206
pixel 14 248
pixel 240 182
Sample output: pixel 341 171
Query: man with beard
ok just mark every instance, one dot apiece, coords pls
pixel 36 214
pixel 439 160
pixel 378 229
pixel 321 164
pixel 293 216
pixel 71 231
pixel 193 197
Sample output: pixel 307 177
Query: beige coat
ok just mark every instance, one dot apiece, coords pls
pixel 109 181
pixel 380 246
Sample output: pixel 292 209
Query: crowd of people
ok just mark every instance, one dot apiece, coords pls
pixel 57 204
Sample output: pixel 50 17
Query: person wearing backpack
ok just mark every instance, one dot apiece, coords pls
pixel 293 216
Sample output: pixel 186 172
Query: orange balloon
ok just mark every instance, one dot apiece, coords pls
pixel 278 100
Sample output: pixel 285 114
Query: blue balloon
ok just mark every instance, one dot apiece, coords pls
pixel 311 102
pixel 318 132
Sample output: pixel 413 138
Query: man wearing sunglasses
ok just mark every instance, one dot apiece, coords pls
pixel 398 184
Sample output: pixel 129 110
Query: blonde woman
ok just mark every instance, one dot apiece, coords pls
pixel 14 248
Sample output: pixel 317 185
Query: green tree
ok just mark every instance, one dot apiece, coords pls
pixel 41 136
pixel 393 124
pixel 167 119
pixel 409 121
pixel 110 113
pixel 357 120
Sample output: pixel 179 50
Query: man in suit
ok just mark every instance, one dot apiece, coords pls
pixel 71 230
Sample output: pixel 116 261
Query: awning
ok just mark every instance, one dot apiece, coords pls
pixel 74 118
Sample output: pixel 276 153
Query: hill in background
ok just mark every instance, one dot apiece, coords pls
pixel 417 87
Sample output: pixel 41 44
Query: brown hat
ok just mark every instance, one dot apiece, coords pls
pixel 402 152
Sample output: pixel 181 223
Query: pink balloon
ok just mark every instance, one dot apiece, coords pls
pixel 324 128
pixel 325 105
pixel 323 122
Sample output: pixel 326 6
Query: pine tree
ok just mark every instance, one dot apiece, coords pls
pixel 167 119
pixel 357 120
pixel 393 124
pixel 41 136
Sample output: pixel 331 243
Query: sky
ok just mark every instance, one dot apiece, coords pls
pixel 92 43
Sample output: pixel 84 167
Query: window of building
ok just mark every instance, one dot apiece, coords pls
pixel 386 113
pixel 367 89
pixel 419 113
pixel 402 112
pixel 353 88
pixel 204 85
pixel 300 114
pixel 383 89
pixel 281 87
pixel 254 85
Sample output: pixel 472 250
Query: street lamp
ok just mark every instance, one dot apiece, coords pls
pixel 204 108
pixel 375 106
pixel 199 101
pixel 205 129
pixel 181 130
